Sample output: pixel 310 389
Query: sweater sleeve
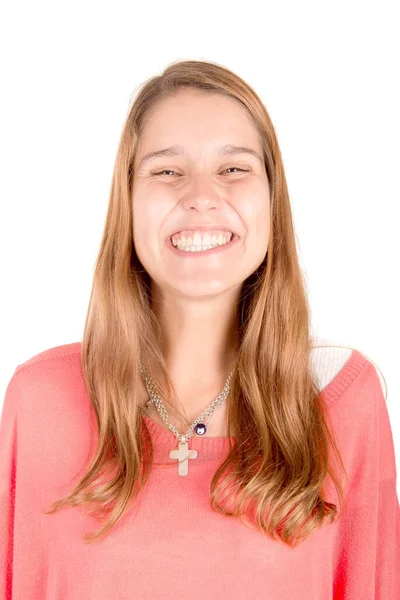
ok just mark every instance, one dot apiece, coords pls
pixel 368 552
pixel 8 469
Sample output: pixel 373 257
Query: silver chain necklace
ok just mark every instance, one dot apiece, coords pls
pixel 182 454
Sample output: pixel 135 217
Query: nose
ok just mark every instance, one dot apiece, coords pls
pixel 201 195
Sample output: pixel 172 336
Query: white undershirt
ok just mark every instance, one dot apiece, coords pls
pixel 329 360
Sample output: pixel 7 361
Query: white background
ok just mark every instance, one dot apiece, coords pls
pixel 327 74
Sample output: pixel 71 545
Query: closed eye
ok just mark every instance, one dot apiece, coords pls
pixel 165 171
pixel 170 171
pixel 243 170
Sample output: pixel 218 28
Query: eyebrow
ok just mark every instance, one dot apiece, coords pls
pixel 180 150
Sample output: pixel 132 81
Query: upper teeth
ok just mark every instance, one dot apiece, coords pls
pixel 197 238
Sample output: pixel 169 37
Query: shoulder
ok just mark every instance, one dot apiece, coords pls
pixel 59 368
pixel 45 377
pixel 329 362
pixel 55 355
pixel 47 417
pixel 355 391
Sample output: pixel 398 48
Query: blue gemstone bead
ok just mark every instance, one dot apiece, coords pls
pixel 200 428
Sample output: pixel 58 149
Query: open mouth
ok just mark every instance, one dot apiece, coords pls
pixel 233 241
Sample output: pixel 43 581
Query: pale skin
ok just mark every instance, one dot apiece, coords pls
pixel 196 297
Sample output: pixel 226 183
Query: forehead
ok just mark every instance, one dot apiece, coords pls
pixel 198 119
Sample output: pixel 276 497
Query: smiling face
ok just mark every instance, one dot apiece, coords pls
pixel 198 185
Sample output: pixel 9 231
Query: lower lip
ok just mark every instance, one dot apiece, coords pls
pixel 235 239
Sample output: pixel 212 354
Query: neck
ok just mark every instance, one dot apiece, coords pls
pixel 199 343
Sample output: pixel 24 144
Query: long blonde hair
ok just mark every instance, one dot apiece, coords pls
pixel 279 462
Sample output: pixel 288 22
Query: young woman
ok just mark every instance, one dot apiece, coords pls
pixel 198 441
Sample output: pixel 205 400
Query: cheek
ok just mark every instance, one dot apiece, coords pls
pixel 254 210
pixel 147 211
pixel 150 213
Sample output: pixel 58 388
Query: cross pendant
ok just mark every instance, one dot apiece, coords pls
pixel 183 454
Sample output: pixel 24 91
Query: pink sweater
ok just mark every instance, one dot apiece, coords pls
pixel 174 545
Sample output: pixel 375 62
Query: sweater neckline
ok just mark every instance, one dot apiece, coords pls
pixel 211 447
